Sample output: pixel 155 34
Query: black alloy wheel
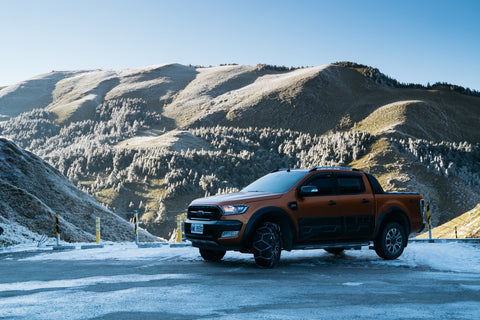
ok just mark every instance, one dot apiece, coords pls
pixel 391 241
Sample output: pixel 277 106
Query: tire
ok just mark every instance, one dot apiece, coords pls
pixel 267 246
pixel 391 241
pixel 212 255
pixel 335 250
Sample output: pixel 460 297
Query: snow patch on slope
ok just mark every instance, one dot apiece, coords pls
pixel 15 234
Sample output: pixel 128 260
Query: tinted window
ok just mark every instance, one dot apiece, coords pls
pixel 350 185
pixel 325 185
pixel 276 182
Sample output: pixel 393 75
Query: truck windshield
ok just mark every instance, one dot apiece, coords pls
pixel 276 182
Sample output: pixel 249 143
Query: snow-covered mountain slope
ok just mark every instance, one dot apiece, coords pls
pixel 32 192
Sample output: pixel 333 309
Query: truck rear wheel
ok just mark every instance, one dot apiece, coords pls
pixel 212 255
pixel 391 241
pixel 267 245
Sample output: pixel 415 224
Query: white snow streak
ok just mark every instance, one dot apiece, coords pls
pixel 83 282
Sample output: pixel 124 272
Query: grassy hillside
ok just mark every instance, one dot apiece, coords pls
pixel 153 139
pixel 467 226
pixel 313 100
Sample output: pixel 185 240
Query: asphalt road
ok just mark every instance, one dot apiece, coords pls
pixel 330 287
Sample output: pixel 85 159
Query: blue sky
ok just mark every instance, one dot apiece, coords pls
pixel 412 41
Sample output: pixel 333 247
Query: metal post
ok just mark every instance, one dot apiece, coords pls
pixel 97 229
pixel 57 229
pixel 429 221
pixel 135 222
pixel 179 229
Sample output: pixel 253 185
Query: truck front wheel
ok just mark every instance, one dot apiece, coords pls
pixel 391 241
pixel 267 245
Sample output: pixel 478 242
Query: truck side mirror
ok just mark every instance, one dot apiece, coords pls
pixel 307 191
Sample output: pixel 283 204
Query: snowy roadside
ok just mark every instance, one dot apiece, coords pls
pixel 453 257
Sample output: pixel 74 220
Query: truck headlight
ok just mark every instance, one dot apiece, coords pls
pixel 234 209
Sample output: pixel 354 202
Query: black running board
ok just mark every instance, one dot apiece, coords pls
pixel 345 245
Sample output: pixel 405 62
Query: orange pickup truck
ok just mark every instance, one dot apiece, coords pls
pixel 329 208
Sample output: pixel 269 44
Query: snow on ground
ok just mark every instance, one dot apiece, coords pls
pixel 152 289
pixel 453 257
pixel 456 257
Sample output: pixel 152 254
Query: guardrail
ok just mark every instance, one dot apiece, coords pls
pixel 178 242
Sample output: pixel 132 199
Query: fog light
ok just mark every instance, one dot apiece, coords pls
pixel 227 234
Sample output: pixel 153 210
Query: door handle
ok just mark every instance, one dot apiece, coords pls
pixel 331 203
pixel 365 201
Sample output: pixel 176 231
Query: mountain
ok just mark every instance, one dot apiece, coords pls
pixel 153 139
pixel 32 192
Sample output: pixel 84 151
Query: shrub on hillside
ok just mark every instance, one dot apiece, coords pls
pixel 446 158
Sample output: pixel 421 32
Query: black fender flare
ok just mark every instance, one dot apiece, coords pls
pixel 398 214
pixel 272 214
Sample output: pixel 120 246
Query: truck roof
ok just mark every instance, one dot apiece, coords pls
pixel 334 168
pixel 318 169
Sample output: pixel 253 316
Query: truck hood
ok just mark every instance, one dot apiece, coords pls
pixel 244 197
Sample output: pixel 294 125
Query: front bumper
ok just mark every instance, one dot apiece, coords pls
pixel 212 233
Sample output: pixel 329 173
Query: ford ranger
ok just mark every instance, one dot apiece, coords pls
pixel 329 208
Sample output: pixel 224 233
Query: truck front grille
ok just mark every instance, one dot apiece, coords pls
pixel 204 213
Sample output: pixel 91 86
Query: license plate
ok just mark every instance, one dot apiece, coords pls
pixel 197 228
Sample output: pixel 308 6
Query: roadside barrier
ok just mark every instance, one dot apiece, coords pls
pixel 429 221
pixel 97 230
pixel 57 236
pixel 425 207
pixel 135 223
pixel 57 229
pixel 97 237
pixel 179 243
pixel 179 229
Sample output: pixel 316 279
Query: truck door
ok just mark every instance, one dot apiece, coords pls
pixel 317 211
pixel 356 205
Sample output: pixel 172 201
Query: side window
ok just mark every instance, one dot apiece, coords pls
pixel 350 185
pixel 325 185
